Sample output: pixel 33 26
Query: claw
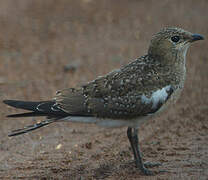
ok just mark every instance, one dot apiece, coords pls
pixel 152 164
pixel 147 172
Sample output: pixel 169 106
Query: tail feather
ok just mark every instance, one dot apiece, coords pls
pixel 31 127
pixel 27 105
pixel 29 114
pixel 40 108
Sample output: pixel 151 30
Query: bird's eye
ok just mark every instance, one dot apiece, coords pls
pixel 175 38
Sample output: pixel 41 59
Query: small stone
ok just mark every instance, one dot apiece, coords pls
pixel 58 146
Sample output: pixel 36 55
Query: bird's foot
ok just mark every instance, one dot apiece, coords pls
pixel 144 169
pixel 147 172
pixel 152 164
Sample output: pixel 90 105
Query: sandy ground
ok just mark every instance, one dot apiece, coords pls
pixel 50 45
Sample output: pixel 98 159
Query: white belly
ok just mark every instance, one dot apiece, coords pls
pixel 110 123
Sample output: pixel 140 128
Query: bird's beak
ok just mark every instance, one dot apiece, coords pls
pixel 196 37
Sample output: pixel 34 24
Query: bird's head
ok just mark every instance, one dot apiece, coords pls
pixel 171 42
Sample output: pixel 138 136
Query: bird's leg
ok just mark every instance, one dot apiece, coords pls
pixel 133 139
pixel 146 164
pixel 130 137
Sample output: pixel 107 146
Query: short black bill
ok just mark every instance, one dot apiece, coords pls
pixel 196 37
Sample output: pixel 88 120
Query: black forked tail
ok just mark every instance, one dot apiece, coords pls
pixel 27 105
pixel 41 108
pixel 31 127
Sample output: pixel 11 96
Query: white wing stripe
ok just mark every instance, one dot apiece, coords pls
pixel 159 96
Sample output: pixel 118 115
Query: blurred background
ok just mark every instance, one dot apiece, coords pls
pixel 50 45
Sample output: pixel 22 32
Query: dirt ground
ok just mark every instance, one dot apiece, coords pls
pixel 50 45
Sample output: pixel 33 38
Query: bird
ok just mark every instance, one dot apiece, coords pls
pixel 125 97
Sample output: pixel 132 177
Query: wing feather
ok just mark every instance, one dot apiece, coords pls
pixel 119 94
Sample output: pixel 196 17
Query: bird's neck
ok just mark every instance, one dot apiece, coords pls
pixel 174 63
pixel 175 59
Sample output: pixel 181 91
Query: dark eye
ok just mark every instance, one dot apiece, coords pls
pixel 175 38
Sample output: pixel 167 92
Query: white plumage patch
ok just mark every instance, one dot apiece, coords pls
pixel 38 107
pixel 108 123
pixel 159 96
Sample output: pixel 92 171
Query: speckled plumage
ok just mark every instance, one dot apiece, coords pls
pixel 117 95
pixel 124 97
